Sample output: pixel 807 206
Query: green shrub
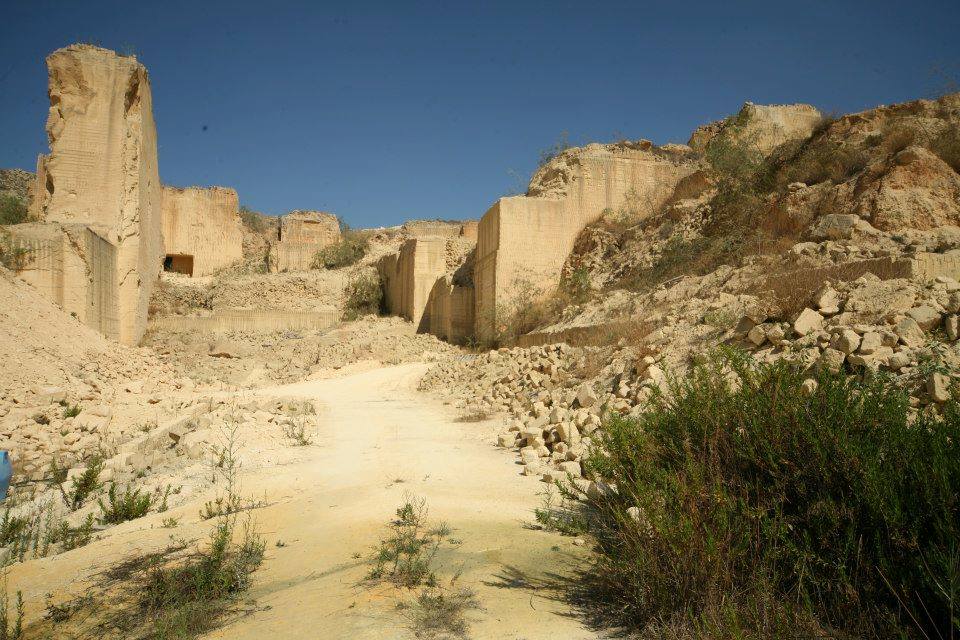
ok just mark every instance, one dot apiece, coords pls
pixel 406 556
pixel 13 210
pixel 85 484
pixel 13 255
pixel 252 220
pixel 121 507
pixel 364 295
pixel 349 250
pixel 185 600
pixel 764 510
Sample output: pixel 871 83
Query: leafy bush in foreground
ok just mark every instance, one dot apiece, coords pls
pixel 764 510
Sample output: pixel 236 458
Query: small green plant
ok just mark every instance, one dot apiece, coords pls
pixel 13 255
pixel 120 507
pixel 406 555
pixel 11 624
pixel 440 613
pixel 85 484
pixel 58 474
pixel 577 286
pixel 558 513
pixel 170 523
pixel 72 411
pixel 296 431
pixel 74 538
pixel 12 528
pixel 364 295
pixel 350 249
pixel 721 319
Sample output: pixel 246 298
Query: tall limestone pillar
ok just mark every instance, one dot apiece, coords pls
pixel 102 169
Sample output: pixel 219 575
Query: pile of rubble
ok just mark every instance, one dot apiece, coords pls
pixel 556 395
pixel 907 328
pixel 243 359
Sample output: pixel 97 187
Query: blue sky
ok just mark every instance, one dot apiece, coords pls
pixel 384 112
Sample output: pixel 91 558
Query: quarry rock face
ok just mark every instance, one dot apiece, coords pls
pixel 894 166
pixel 201 229
pixel 102 172
pixel 409 276
pixel 523 241
pixel 764 127
pixel 300 235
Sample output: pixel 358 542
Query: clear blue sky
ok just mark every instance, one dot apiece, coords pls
pixel 384 112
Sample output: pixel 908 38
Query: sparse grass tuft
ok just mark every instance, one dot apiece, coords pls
pixel 440 613
pixel 187 599
pixel 71 411
pixel 297 432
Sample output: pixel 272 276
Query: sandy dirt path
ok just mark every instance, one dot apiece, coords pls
pixel 376 441
pixel 380 440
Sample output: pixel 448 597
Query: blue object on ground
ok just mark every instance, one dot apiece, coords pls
pixel 6 472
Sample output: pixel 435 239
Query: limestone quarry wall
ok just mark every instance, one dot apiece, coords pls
pixel 203 224
pixel 229 320
pixel 427 228
pixel 102 168
pixel 73 266
pixel 523 241
pixel 300 235
pixel 451 311
pixel 409 277
pixel 468 230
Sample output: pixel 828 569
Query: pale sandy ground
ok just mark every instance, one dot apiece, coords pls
pixel 377 440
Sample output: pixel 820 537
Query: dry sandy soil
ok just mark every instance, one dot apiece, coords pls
pixel 376 441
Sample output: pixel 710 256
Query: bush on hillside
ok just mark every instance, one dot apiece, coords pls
pixel 364 295
pixel 13 210
pixel 349 250
pixel 13 255
pixel 768 511
pixel 252 220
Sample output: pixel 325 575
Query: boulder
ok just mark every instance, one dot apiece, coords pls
pixel 846 341
pixel 808 320
pixel 832 359
pixel 586 396
pixel 834 226
pixel 938 387
pixel 926 317
pixel 909 332
pixel 870 342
